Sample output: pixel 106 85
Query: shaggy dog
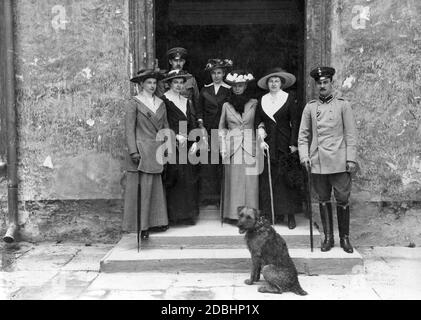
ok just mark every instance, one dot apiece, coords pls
pixel 268 250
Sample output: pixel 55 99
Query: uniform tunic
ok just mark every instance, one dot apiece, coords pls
pixel 328 136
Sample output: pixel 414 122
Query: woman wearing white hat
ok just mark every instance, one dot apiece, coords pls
pixel 237 133
pixel 278 119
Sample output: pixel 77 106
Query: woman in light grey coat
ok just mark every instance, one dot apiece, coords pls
pixel 237 134
pixel 146 115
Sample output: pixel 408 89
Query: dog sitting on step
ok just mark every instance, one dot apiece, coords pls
pixel 268 251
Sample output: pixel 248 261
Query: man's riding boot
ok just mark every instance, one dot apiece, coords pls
pixel 324 215
pixel 329 211
pixel 343 225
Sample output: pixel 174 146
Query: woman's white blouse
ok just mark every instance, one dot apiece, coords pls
pixel 272 103
pixel 179 101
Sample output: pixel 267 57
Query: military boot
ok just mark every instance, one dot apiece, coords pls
pixel 330 215
pixel 343 225
pixel 327 226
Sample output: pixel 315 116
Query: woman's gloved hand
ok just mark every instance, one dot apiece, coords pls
pixel 135 158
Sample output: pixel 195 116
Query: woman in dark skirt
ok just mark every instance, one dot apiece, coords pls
pixel 278 120
pixel 181 179
pixel 211 99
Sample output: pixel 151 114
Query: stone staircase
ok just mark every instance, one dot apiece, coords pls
pixel 210 247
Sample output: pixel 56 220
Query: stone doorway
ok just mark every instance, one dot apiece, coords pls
pixel 256 35
pixel 145 23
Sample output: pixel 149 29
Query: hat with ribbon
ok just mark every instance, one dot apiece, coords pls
pixel 144 74
pixel 177 74
pixel 218 64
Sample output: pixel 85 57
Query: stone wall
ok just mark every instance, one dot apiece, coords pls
pixel 71 89
pixel 376 50
pixel 72 84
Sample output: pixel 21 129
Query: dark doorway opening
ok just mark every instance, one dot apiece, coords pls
pixel 256 35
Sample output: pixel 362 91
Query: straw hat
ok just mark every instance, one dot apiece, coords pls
pixel 288 78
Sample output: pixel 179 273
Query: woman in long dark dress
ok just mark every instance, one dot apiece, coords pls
pixel 181 178
pixel 211 99
pixel 278 120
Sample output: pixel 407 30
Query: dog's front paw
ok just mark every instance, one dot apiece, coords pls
pixel 262 289
pixel 248 282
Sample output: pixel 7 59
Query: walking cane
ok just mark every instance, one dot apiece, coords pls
pixel 309 209
pixel 221 201
pixel 138 223
pixel 271 189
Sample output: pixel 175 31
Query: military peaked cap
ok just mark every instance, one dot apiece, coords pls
pixel 321 73
pixel 177 53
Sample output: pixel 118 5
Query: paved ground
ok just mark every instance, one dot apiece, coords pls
pixel 71 271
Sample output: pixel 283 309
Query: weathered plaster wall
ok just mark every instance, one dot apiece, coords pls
pixel 376 49
pixel 72 84
pixel 71 89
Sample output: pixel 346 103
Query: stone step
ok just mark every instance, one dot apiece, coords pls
pixel 125 258
pixel 210 233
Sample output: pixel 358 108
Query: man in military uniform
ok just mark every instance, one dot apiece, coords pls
pixel 327 146
pixel 177 59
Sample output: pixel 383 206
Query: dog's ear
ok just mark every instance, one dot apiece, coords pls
pixel 239 209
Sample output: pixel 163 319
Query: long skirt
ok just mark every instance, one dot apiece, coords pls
pixel 211 178
pixel 287 192
pixel 182 193
pixel 240 188
pixel 153 210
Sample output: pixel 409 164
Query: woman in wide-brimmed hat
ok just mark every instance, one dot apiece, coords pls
pixel 237 134
pixel 278 119
pixel 211 99
pixel 177 59
pixel 146 115
pixel 181 179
